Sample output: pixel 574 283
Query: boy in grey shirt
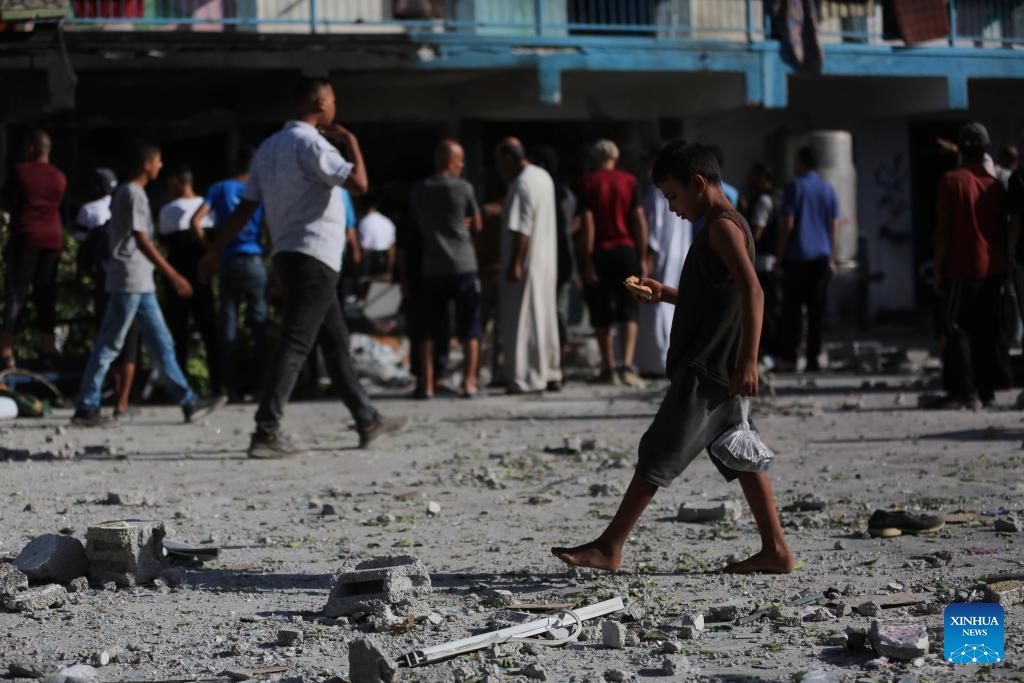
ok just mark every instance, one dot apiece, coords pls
pixel 133 295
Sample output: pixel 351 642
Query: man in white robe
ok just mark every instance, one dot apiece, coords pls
pixel 529 258
pixel 668 241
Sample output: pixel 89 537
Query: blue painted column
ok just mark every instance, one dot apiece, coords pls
pixel 312 16
pixel 952 23
pixel 956 86
pixel 549 82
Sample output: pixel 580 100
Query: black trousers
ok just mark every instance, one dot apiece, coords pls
pixel 184 252
pixel 975 359
pixel 311 313
pixel 804 285
pixel 31 272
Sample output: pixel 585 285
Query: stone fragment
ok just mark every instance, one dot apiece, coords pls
pixel 53 557
pixel 820 614
pixel 388 579
pixel 79 673
pixel 689 633
pixel 1009 524
pixel 289 636
pixel 12 580
pixel 24 668
pixel 126 499
pixel 604 490
pixel 367 663
pixel 818 676
pixel 721 511
pixel 675 665
pixel 100 658
pixel 127 552
pixel 328 509
pixel 174 576
pixel 613 634
pixel 497 598
pixel 632 639
pixel 616 675
pixel 867 609
pixel 433 508
pixel 902 641
pixel 696 620
pixel 79 585
pixel 573 445
pixel 1005 593
pixel 43 597
pixel 671 647
pixel 724 613
pixel 535 672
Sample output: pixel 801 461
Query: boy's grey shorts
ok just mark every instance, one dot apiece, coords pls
pixel 695 411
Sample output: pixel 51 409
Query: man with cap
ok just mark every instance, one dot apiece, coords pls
pixel 971 264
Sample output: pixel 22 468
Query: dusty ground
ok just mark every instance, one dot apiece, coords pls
pixel 504 502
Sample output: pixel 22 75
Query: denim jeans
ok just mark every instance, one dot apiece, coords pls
pixel 122 309
pixel 243 277
pixel 311 312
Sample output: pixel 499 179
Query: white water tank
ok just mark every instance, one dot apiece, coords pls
pixel 835 164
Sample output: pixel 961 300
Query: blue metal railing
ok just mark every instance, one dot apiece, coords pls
pixel 989 23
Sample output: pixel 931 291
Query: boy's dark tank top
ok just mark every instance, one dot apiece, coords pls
pixel 708 323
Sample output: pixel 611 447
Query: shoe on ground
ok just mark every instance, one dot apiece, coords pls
pixel 890 523
pixel 274 446
pixel 202 407
pixel 631 378
pixel 129 413
pixel 386 427
pixel 89 417
pixel 607 376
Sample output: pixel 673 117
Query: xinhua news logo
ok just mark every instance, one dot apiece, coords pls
pixel 973 633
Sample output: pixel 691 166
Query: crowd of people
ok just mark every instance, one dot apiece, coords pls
pixel 295 193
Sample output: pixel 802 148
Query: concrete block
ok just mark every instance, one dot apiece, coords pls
pixel 900 641
pixel 367 663
pixel 1005 593
pixel 43 597
pixel 53 557
pixel 127 552
pixel 383 580
pixel 12 581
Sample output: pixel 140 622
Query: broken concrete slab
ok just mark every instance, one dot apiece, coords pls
pixel 367 663
pixel 12 581
pixel 388 580
pixel 53 557
pixel 79 673
pixel 1010 524
pixel 128 552
pixel 720 511
pixel 33 599
pixel 1005 593
pixel 902 641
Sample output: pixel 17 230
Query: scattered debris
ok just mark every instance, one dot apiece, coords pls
pixel 78 585
pixel 723 511
pixel 53 557
pixel 127 552
pixel 289 636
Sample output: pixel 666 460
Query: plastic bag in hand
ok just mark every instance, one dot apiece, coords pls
pixel 740 448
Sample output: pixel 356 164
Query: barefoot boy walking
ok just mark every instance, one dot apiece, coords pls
pixel 712 361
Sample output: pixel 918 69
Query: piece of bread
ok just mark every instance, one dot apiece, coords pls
pixel 632 283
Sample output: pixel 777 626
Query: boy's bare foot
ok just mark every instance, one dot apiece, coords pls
pixel 593 554
pixel 764 562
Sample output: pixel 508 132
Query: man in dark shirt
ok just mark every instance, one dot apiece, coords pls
pixel 970 270
pixel 615 247
pixel 33 196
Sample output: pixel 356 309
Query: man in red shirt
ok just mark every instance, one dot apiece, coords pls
pixel 971 264
pixel 615 247
pixel 33 195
